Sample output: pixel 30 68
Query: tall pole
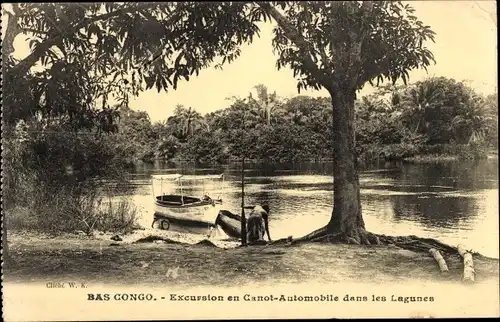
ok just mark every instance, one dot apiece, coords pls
pixel 243 219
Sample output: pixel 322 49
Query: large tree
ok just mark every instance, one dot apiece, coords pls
pixel 92 53
pixel 83 59
pixel 340 46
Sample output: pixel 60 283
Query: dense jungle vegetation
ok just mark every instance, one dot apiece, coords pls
pixel 437 116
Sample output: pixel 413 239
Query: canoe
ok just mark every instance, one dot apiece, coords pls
pixel 229 223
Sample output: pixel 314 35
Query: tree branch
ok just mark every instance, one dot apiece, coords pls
pixel 11 32
pixel 35 31
pixel 25 65
pixel 356 62
pixel 299 41
pixel 16 10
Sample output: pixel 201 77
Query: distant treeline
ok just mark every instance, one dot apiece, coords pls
pixel 437 116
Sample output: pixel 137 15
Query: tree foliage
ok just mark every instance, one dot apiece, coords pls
pixel 90 56
pixel 432 104
pixel 302 127
pixel 356 41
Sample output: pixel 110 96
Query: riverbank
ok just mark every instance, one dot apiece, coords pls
pixel 438 158
pixel 394 152
pixel 147 257
pixel 281 281
pixel 428 154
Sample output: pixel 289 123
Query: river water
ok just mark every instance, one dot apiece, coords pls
pixel 454 202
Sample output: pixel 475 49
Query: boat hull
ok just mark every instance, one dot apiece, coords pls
pixel 229 223
pixel 198 219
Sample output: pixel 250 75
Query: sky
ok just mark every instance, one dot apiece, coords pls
pixel 465 49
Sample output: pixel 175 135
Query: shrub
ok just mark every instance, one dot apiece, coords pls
pixel 462 151
pixel 52 181
pixel 472 151
pixel 67 212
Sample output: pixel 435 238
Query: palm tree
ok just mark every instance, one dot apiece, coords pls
pixel 418 102
pixel 370 106
pixel 472 124
pixel 187 121
pixel 265 103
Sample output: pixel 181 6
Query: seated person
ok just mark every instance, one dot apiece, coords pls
pixel 258 224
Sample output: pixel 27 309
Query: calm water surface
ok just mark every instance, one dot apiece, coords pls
pixel 455 202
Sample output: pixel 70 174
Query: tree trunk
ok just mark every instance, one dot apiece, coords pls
pixel 346 216
pixel 243 218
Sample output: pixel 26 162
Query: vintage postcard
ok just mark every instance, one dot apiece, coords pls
pixel 256 160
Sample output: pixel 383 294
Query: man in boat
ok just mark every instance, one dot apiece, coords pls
pixel 258 224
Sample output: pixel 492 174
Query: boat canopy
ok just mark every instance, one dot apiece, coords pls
pixel 177 177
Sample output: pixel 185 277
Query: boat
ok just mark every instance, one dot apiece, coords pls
pixel 185 213
pixel 229 223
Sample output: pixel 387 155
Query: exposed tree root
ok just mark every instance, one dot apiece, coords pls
pixel 329 238
pixel 363 237
pixel 418 244
pixel 315 234
pixel 151 239
pixel 358 237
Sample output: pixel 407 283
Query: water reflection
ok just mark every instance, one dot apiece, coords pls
pixel 445 212
pixel 454 201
